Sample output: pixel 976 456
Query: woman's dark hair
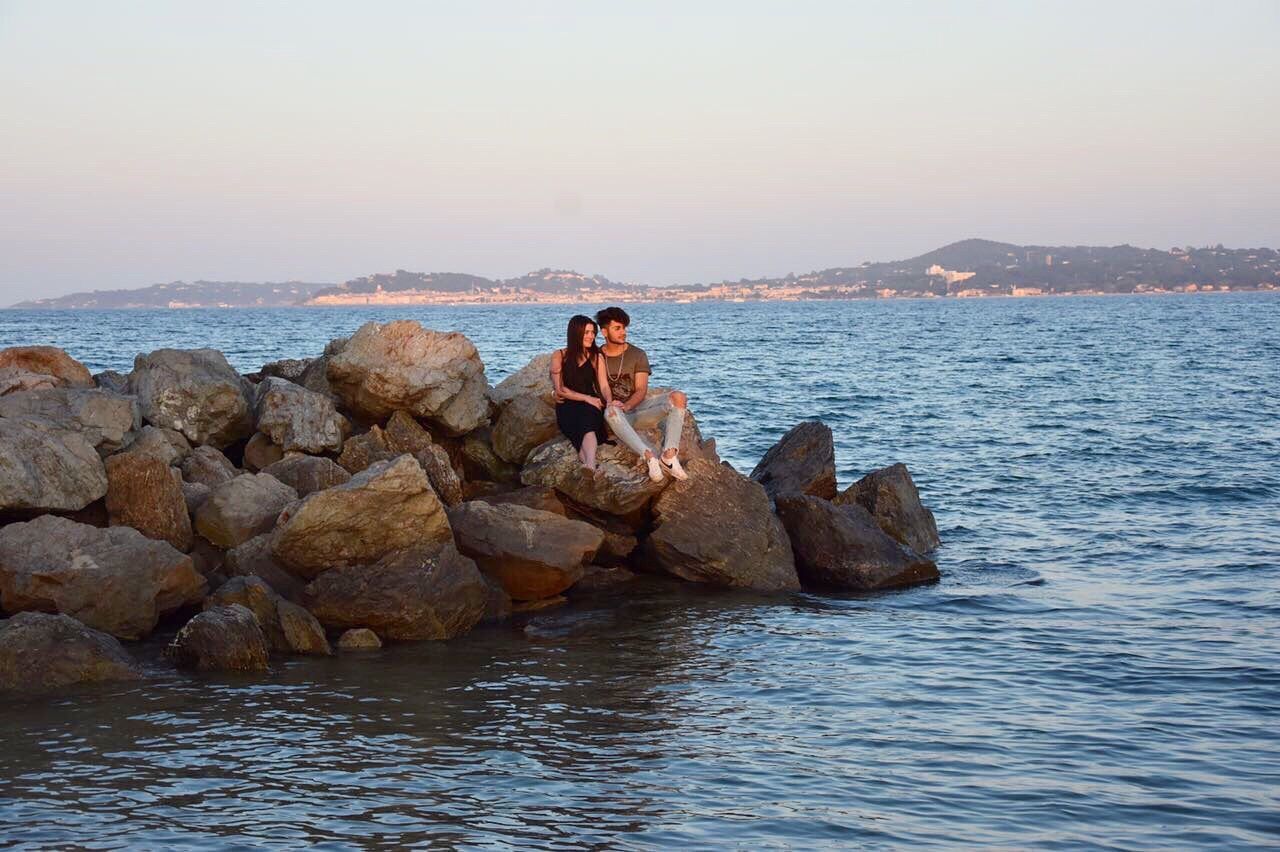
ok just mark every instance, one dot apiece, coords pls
pixel 609 315
pixel 573 349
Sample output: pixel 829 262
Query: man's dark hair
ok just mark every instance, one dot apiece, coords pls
pixel 609 315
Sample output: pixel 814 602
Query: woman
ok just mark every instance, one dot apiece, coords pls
pixel 582 389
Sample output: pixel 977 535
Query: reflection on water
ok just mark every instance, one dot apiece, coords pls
pixel 1099 665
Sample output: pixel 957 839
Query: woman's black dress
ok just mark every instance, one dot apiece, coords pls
pixel 577 418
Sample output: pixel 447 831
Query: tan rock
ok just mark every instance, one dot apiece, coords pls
pixel 404 434
pixel 208 466
pixel 364 449
pixel 288 627
pixel 308 474
pixel 226 638
pixel 242 508
pixel 254 558
pixel 359 639
pixel 50 366
pixel 167 445
pixel 533 379
pixel 525 423
pixel 447 485
pixel 620 484
pixel 145 493
pixel 481 462
pixel 105 419
pixel 260 453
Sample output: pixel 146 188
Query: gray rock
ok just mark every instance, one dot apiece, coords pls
pixel 208 466
pixel 105 419
pixel 226 638
pixel 890 495
pixel 116 580
pixel 391 506
pixel 426 592
pixel 166 445
pixel 534 554
pixel 39 652
pixel 112 380
pixel 47 468
pixel 717 527
pixel 246 506
pixel 841 547
pixel 308 474
pixel 194 391
pixel 620 484
pixel 400 365
pixel 802 462
pixel 525 423
pixel 194 494
pixel 297 419
pixel 533 379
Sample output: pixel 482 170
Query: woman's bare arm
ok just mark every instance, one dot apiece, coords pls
pixel 602 380
pixel 557 381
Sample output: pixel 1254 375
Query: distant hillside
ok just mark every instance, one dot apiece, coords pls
pixel 182 294
pixel 543 281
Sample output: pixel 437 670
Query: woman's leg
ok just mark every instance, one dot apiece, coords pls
pixel 588 451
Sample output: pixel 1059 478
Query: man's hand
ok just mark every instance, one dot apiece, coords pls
pixel 595 401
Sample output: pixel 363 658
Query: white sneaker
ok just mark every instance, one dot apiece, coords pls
pixel 675 469
pixel 655 469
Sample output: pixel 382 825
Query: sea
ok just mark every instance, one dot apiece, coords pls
pixel 1099 667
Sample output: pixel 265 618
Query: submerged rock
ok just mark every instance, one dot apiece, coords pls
pixel 47 468
pixel 225 638
pixel 423 592
pixel 39 652
pixel 890 495
pixel 116 579
pixel 288 627
pixel 717 528
pixel 534 554
pixel 194 391
pixel 802 462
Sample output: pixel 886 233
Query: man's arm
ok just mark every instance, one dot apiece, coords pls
pixel 637 395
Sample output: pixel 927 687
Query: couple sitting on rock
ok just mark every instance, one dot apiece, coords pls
pixel 596 385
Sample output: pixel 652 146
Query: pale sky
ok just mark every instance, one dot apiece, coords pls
pixel 650 142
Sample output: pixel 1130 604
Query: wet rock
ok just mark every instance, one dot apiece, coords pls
pixel 194 391
pixel 620 484
pixel 802 462
pixel 290 369
pixel 308 474
pixel 106 420
pixel 842 547
pixel 717 528
pixel 600 578
pixel 390 506
pixel 400 365
pixel 424 592
pixel 47 468
pixel 447 485
pixel 259 452
pixel 534 554
pixel 39 652
pixel 246 506
pixel 254 558
pixel 226 638
pixel 167 445
pixel 525 422
pixel 362 450
pixel 522 607
pixel 116 580
pixel 297 419
pixel 145 493
pixel 890 495
pixel 497 604
pixel 404 434
pixel 533 379
pixel 359 639
pixel 25 368
pixel 288 627
pixel 208 466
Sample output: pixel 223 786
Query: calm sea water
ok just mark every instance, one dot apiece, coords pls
pixel 1100 666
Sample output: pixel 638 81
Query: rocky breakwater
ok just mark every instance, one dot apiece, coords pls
pixel 380 491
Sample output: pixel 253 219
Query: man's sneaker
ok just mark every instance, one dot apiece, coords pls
pixel 674 468
pixel 655 469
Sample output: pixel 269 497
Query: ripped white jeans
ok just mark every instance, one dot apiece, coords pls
pixel 646 416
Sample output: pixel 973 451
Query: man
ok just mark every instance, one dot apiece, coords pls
pixel 627 369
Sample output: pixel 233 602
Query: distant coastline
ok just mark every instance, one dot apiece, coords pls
pixel 963 270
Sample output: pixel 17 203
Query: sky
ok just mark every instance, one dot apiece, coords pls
pixel 653 142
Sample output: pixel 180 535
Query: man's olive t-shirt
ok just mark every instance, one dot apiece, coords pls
pixel 622 370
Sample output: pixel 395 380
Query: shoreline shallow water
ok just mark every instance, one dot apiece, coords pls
pixel 1098 667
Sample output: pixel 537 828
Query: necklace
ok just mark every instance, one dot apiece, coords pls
pixel 622 360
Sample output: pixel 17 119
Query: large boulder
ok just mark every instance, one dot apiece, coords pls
pixel 145 493
pixel 194 391
pixel 25 368
pixel 890 495
pixel 254 558
pixel 400 365
pixel 717 527
pixel 390 506
pixel 841 547
pixel 619 485
pixel 423 592
pixel 308 474
pixel 288 627
pixel 226 638
pixel 533 496
pixel 47 468
pixel 208 466
pixel 533 379
pixel 116 579
pixel 444 479
pixel 299 420
pixel 105 419
pixel 802 462
pixel 525 422
pixel 242 508
pixel 167 445
pixel 39 651
pixel 534 554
